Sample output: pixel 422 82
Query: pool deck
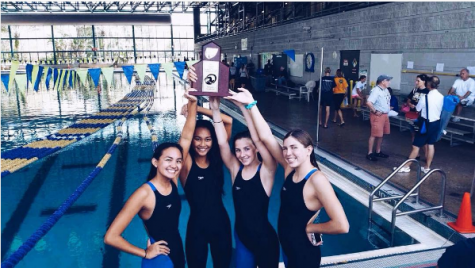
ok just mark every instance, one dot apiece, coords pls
pixel 350 143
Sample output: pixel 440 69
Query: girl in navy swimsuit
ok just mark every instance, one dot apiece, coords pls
pixel 305 191
pixel 256 240
pixel 202 178
pixel 158 204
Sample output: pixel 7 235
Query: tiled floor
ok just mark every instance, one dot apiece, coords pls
pixel 350 142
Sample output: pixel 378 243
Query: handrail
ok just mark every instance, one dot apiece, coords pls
pixel 371 196
pixel 416 187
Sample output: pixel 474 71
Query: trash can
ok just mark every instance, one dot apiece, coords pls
pixel 258 83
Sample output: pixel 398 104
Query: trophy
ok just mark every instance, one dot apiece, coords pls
pixel 213 75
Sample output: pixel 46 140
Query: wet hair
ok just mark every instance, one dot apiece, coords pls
pixel 423 77
pixel 433 82
pixel 214 155
pixel 328 70
pixel 362 77
pixel 306 140
pixel 244 135
pixel 158 152
pixel 339 73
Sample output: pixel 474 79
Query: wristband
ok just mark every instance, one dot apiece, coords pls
pixel 145 254
pixel 250 105
pixel 217 122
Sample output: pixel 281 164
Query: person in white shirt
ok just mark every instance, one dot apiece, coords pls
pixel 464 88
pixel 357 94
pixel 435 102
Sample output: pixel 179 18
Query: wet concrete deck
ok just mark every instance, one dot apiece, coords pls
pixel 350 142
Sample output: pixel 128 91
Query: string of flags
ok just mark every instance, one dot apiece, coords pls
pixel 36 74
pixel 80 60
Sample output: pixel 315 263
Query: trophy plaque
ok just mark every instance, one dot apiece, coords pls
pixel 213 75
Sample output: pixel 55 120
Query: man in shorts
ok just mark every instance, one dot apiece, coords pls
pixel 464 88
pixel 435 102
pixel 328 83
pixel 379 106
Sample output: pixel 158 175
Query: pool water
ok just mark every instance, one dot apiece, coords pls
pixel 31 194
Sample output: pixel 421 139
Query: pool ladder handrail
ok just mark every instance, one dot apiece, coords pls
pixel 390 176
pixel 416 187
pixel 402 198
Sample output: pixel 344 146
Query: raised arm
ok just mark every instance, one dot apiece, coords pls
pixel 227 120
pixel 323 191
pixel 187 136
pixel 262 128
pixel 228 157
pixel 269 165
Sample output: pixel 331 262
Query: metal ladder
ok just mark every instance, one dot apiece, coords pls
pixel 413 192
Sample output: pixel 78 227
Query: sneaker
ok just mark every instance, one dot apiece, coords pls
pixel 371 157
pixel 425 170
pixel 456 119
pixel 403 169
pixel 445 132
pixel 380 154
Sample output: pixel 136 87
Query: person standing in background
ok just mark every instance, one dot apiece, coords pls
pixel 232 75
pixel 379 107
pixel 339 93
pixel 430 108
pixel 328 83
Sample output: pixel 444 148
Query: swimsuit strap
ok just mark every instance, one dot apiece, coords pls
pixel 151 186
pixel 310 173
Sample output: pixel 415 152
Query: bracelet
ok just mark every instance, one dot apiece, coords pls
pixel 218 122
pixel 250 105
pixel 145 254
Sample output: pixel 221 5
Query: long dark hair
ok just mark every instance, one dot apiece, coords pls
pixel 158 152
pixel 306 140
pixel 244 135
pixel 214 155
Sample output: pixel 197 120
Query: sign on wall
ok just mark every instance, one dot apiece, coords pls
pixel 389 64
pixel 244 44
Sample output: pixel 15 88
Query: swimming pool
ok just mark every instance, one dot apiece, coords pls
pixel 30 195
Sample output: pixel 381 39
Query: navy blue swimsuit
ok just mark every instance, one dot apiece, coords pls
pixel 209 222
pixel 163 225
pixel 293 219
pixel 253 229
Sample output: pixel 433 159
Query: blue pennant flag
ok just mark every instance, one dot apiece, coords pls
pixel 154 69
pixel 71 78
pixel 38 78
pixel 64 78
pixel 290 53
pixel 48 77
pixel 180 68
pixel 95 74
pixel 55 76
pixel 128 71
pixel 5 79
pixel 29 71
